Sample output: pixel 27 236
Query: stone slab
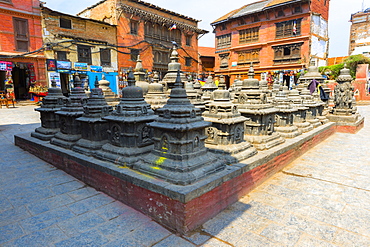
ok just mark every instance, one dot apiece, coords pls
pixel 181 208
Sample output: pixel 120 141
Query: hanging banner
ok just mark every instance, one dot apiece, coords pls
pixel 51 64
pixel 56 77
pixel 6 66
pixel 80 66
pixel 64 65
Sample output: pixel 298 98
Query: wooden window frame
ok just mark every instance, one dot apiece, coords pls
pixel 61 57
pixel 249 35
pixel 188 61
pixel 134 54
pixel 82 57
pixel 223 41
pixel 248 56
pixel 105 57
pixel 287 54
pixel 65 23
pixel 134 27
pixel 284 29
pixel 19 36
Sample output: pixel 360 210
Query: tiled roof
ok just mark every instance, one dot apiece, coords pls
pixel 206 51
pixel 252 8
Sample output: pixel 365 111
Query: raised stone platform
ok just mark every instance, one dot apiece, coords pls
pixel 181 208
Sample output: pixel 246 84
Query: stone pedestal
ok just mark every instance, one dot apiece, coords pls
pixel 174 66
pixel 208 88
pixel 299 117
pixel 70 128
pixel 179 155
pixel 129 134
pixel 285 117
pixel 52 103
pixel 312 111
pixel 194 97
pixel 226 135
pixel 344 114
pixel 93 128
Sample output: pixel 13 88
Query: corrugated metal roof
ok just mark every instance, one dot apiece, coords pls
pixel 252 8
pixel 276 2
pixel 225 17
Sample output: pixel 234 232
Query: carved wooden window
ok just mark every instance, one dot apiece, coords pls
pixel 134 27
pixel 65 23
pixel 105 58
pixel 249 35
pixel 224 61
pixel 223 41
pixel 134 54
pixel 62 56
pixel 84 54
pixel 161 57
pixel 289 28
pixel 287 53
pixel 297 9
pixel 223 26
pixel 246 57
pixel 188 40
pixel 21 34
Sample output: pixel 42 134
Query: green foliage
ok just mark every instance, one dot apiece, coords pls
pixel 353 61
pixel 331 71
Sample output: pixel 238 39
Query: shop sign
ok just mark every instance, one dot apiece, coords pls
pixel 63 71
pixel 234 64
pixel 81 66
pixel 64 65
pixel 96 68
pixel 51 64
pixel 56 77
pixel 6 66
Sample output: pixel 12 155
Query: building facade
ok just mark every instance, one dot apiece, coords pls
pixel 22 62
pixel 277 36
pixel 79 45
pixel 359 40
pixel 149 31
pixel 207 60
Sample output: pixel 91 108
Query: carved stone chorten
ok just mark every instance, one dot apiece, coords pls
pixel 226 135
pixel 179 155
pixel 198 87
pixel 285 117
pixel 156 96
pixel 344 112
pixel 312 111
pixel 109 95
pixel 259 128
pixel 70 128
pixel 93 128
pixel 139 74
pixel 194 97
pixel 128 133
pixel 299 117
pixel 174 66
pixel 52 103
pixel 208 89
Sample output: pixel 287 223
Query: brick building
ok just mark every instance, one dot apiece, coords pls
pixel 276 35
pixel 22 63
pixel 146 29
pixel 207 59
pixel 79 45
pixel 359 40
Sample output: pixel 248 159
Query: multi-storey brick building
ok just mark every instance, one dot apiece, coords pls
pixel 207 60
pixel 359 40
pixel 147 30
pixel 276 35
pixel 75 44
pixel 22 63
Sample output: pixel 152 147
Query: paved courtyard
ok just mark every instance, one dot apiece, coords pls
pixel 321 199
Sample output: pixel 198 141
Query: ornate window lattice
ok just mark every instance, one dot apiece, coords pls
pixel 224 60
pixel 223 41
pixel 158 32
pixel 249 35
pixel 287 54
pixel 246 57
pixel 289 28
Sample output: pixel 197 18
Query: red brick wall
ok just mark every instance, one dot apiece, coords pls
pixel 321 7
pixel 25 9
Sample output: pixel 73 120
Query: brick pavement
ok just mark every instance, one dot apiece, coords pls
pixel 321 199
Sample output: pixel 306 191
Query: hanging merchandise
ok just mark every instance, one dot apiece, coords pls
pixel 9 87
pixel 31 73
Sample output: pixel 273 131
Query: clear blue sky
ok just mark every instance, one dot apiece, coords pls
pixel 209 10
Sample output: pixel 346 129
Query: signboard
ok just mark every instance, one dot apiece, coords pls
pixel 6 66
pixel 234 64
pixel 64 65
pixel 81 66
pixel 51 64
pixel 96 68
pixel 56 77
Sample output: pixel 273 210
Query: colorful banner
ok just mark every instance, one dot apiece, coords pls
pixel 6 66
pixel 51 64
pixel 64 65
pixel 80 66
pixel 96 68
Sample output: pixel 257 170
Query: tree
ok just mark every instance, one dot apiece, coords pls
pixel 353 61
